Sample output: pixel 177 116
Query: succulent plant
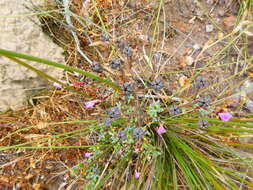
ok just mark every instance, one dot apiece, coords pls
pixel 175 110
pixel 203 124
pixel 157 84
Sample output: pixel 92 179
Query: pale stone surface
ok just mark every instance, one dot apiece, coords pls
pixel 19 32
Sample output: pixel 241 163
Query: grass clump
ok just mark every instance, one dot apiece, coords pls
pixel 146 122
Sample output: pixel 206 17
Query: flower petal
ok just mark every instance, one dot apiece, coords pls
pixel 57 85
pixel 137 175
pixel 79 83
pixel 88 154
pixel 225 116
pixel 160 130
pixel 90 104
pixel 136 150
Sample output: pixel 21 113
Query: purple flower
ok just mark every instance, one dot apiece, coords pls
pixel 137 175
pixel 90 104
pixel 160 130
pixel 225 116
pixel 120 152
pixel 88 154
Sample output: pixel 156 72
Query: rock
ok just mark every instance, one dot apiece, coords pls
pixel 209 28
pixel 22 34
pixel 189 60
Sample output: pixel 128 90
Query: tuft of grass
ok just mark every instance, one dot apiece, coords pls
pixel 128 152
pixel 14 54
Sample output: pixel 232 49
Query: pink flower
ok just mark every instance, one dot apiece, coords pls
pixel 160 130
pixel 120 152
pixel 136 150
pixel 225 116
pixel 79 83
pixel 90 104
pixel 88 154
pixel 57 85
pixel 137 175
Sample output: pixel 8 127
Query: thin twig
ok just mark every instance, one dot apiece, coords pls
pixel 69 22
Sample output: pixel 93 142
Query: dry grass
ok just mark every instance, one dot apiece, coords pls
pixel 58 118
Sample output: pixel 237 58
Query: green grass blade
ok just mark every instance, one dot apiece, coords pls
pixel 58 65
pixel 43 74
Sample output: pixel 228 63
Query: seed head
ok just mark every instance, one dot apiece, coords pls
pixel 96 67
pixel 114 113
pixel 203 124
pixel 175 110
pixel 128 51
pixel 138 133
pixel 201 82
pixel 116 63
pixel 157 84
pixel 122 135
pixel 128 88
pixel 108 121
pixel 204 101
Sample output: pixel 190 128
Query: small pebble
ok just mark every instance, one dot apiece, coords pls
pixel 209 28
pixel 196 47
pixel 189 60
